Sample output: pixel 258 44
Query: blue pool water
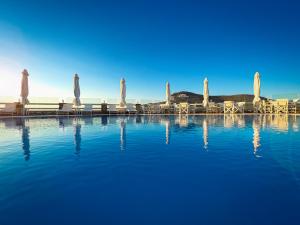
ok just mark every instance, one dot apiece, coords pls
pixel 150 170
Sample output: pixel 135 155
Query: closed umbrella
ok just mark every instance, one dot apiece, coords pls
pixel 123 92
pixel 24 87
pixel 256 88
pixel 205 93
pixel 76 100
pixel 168 94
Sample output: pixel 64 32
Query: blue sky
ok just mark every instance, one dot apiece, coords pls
pixel 149 43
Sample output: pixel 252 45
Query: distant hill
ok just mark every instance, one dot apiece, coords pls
pixel 190 97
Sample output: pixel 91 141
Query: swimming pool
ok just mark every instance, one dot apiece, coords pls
pixel 150 170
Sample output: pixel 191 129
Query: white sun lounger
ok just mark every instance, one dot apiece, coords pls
pixel 66 109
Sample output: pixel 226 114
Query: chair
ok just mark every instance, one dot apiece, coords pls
pixel 212 108
pixel 9 108
pixel 66 108
pixel 230 107
pixel 183 108
pixel 282 106
pixel 131 108
pixel 88 108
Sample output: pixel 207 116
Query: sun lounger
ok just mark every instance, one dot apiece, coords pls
pixel 67 108
pixel 9 108
pixel 184 108
pixel 229 107
pixel 213 108
pixel 87 109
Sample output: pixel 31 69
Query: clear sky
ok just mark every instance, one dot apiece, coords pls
pixel 149 43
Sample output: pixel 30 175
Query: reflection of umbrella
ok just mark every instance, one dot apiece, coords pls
pixel 168 94
pixel 76 100
pixel 77 138
pixel 123 92
pixel 205 134
pixel 167 132
pixel 138 119
pixel 104 120
pixel 26 143
pixel 256 88
pixel 25 139
pixel 24 87
pixel 256 135
pixel 123 135
pixel 205 92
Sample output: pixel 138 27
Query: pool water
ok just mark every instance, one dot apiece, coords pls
pixel 150 170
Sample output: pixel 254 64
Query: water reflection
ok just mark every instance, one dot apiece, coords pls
pixel 138 119
pixel 241 121
pixel 231 120
pixel 183 120
pixel 77 136
pixel 205 133
pixel 123 135
pixel 295 125
pixel 104 120
pixel 280 122
pixel 256 124
pixel 167 131
pixel 25 138
pixel 61 124
pixel 172 124
pixel 228 120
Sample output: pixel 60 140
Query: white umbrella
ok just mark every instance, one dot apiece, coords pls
pixel 256 88
pixel 205 92
pixel 24 87
pixel 76 100
pixel 168 94
pixel 123 93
